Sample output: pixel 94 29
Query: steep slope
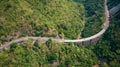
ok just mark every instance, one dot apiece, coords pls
pixel 49 54
pixel 108 49
pixel 40 18
pixel 95 17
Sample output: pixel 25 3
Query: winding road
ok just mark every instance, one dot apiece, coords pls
pixel 85 41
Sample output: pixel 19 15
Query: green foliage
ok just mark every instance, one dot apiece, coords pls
pixel 51 58
pixel 40 18
pixel 40 55
pixel 109 47
pixel 64 18
pixel 13 46
pixel 95 17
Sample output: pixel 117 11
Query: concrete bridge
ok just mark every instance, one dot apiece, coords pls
pixel 85 41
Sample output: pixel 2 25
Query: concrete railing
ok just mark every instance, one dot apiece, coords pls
pixel 85 41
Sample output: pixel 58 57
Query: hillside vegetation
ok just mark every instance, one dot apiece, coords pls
pixel 50 18
pixel 49 54
pixel 108 49
pixel 69 19
pixel 95 17
pixel 26 17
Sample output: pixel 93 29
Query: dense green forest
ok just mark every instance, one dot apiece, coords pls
pixel 64 18
pixel 108 49
pixel 94 17
pixel 48 18
pixel 49 54
pixel 69 19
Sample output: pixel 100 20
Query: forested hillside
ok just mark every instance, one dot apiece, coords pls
pixel 66 19
pixel 108 49
pixel 95 17
pixel 48 18
pixel 49 54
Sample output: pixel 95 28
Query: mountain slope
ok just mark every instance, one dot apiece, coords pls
pixel 40 18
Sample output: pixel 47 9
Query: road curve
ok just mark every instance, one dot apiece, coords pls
pixel 88 40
